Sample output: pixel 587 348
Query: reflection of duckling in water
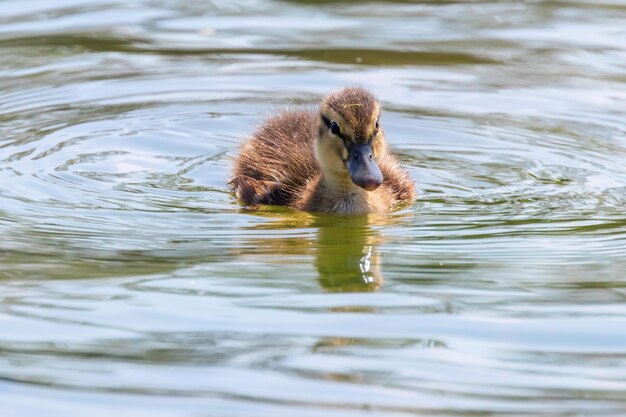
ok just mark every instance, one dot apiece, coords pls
pixel 347 256
pixel 344 248
pixel 334 161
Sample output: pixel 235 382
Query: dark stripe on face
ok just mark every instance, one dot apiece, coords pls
pixel 327 122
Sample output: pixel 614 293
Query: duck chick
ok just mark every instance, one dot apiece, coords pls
pixel 334 160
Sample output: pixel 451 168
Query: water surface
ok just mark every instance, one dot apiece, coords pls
pixel 132 283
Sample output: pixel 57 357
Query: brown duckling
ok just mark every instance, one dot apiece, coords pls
pixel 332 161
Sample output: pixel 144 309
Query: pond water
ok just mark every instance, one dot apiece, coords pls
pixel 132 283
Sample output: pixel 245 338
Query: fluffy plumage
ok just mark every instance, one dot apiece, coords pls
pixel 308 160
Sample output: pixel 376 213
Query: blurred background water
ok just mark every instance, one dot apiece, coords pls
pixel 132 283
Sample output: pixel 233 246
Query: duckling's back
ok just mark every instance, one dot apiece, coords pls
pixel 278 161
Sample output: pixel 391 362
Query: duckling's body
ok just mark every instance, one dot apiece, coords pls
pixel 332 161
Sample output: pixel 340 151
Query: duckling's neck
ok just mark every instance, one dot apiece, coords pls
pixel 339 182
pixel 340 195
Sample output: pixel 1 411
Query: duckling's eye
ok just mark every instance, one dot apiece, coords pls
pixel 377 125
pixel 334 127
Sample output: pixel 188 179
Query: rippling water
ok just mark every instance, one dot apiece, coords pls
pixel 131 282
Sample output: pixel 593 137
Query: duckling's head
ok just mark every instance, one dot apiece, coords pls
pixel 350 138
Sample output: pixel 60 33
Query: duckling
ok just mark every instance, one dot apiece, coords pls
pixel 332 161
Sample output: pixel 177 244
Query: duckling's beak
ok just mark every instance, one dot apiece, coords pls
pixel 362 169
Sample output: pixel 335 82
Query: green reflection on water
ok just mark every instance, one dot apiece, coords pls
pixel 346 255
pixel 344 248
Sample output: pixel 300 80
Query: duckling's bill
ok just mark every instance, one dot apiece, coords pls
pixel 362 168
